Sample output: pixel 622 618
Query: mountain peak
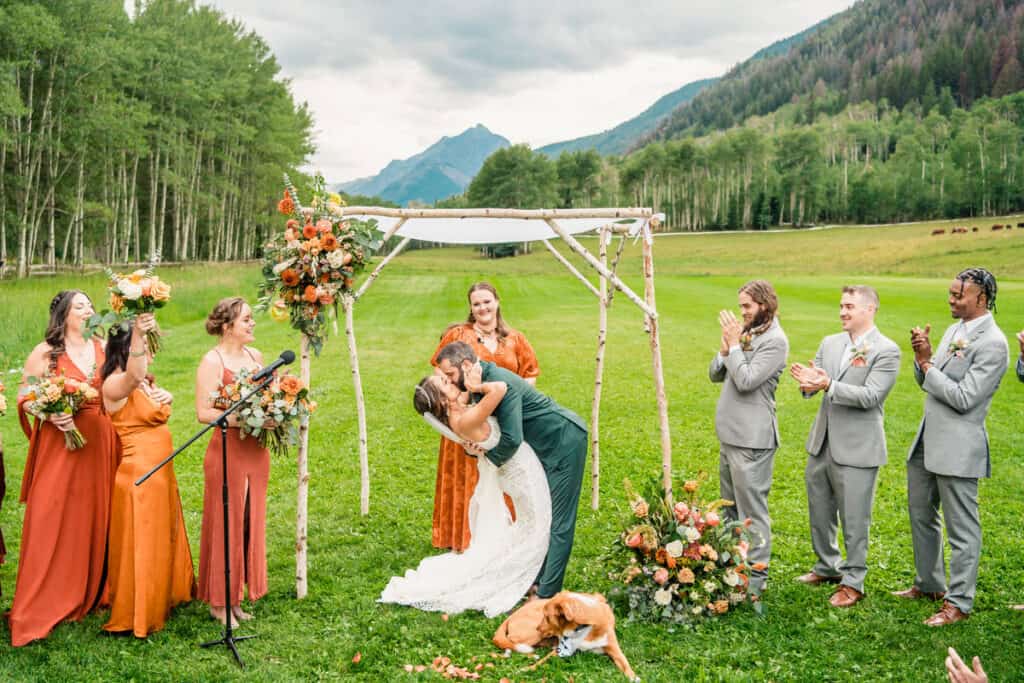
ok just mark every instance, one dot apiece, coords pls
pixel 441 170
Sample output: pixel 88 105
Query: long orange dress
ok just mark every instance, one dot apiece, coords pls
pixel 67 515
pixel 149 561
pixel 456 472
pixel 249 473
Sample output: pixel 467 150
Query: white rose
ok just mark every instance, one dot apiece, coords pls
pixel 675 548
pixel 129 290
pixel 710 586
pixel 663 597
pixel 731 578
pixel 335 258
pixel 283 266
pixel 692 535
pixel 697 609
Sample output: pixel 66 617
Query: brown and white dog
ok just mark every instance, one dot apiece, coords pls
pixel 569 621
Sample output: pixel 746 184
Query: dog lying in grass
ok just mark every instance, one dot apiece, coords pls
pixel 568 622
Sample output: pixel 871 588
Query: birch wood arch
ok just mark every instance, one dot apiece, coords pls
pixel 488 226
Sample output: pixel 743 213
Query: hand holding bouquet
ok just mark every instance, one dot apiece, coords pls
pixel 139 292
pixel 273 415
pixel 57 398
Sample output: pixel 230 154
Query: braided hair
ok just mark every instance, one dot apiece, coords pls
pixel 986 282
pixel 60 306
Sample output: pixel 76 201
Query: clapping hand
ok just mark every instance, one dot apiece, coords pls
pixel 810 377
pixel 921 344
pixel 732 329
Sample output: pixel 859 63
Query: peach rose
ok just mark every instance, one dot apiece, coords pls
pixel 640 508
pixel 686 575
pixel 681 509
pixel 635 541
pixel 661 576
pixel 291 385
pixel 160 290
pixel 712 519
pixel 691 486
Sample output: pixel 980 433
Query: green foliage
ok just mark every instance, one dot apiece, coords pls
pixel 514 177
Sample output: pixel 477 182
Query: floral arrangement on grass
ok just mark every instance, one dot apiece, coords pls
pixel 139 292
pixel 58 395
pixel 273 415
pixel 311 263
pixel 685 561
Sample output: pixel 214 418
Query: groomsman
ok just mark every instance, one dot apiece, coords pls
pixel 751 357
pixel 1020 359
pixel 856 369
pixel 950 452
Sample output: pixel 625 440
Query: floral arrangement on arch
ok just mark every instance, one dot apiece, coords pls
pixel 311 263
pixel 683 562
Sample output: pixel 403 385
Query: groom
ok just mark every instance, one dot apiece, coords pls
pixel 557 435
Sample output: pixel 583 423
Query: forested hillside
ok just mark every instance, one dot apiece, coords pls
pixel 119 136
pixel 900 51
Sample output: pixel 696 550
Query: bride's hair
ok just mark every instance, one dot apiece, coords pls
pixel 427 398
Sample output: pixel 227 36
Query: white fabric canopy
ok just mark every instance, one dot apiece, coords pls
pixel 493 230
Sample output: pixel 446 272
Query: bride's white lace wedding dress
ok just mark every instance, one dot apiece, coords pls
pixel 503 558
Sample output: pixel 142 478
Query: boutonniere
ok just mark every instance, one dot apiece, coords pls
pixel 956 348
pixel 859 358
pixel 745 341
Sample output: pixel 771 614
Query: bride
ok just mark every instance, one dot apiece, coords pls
pixel 504 557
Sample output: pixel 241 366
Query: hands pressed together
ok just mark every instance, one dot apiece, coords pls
pixel 732 330
pixel 922 346
pixel 810 377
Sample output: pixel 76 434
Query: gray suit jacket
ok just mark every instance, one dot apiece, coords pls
pixel 852 416
pixel 959 392
pixel 745 416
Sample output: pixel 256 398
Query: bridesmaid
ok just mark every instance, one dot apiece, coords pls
pixel 248 471
pixel 496 342
pixel 66 493
pixel 149 561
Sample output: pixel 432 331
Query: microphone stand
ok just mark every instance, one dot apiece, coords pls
pixel 228 639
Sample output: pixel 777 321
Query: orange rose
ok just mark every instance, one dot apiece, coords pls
pixel 289 277
pixel 116 303
pixel 291 385
pixel 328 242
pixel 160 290
pixel 310 294
pixel 309 231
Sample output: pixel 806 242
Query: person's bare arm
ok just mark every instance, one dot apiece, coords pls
pixel 474 416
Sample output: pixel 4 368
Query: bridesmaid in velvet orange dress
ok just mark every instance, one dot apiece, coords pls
pixel 66 493
pixel 149 561
pixel 496 342
pixel 248 471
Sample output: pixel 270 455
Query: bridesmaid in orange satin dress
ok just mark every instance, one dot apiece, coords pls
pixel 248 471
pixel 496 342
pixel 149 561
pixel 66 493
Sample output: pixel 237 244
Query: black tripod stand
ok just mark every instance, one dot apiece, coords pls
pixel 229 638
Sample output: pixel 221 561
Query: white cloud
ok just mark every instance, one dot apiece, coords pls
pixel 386 79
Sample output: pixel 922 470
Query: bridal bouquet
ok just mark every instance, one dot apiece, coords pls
pixel 273 415
pixel 139 292
pixel 312 262
pixel 681 563
pixel 58 395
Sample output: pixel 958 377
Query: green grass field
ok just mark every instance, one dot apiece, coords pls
pixel 799 637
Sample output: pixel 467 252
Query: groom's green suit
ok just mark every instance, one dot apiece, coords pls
pixel 559 438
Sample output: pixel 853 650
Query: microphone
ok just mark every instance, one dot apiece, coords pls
pixel 287 357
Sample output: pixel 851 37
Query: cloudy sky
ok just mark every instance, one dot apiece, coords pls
pixel 386 79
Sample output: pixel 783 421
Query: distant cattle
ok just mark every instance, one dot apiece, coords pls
pixel 974 229
pixel 960 231
pixel 997 227
pixel 938 231
pixel 1020 225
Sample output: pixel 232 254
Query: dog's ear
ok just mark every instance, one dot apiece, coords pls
pixel 568 609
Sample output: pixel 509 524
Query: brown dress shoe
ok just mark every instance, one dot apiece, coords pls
pixel 945 616
pixel 812 579
pixel 845 596
pixel 914 593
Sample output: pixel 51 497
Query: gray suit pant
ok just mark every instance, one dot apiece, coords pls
pixel 958 498
pixel 845 493
pixel 745 477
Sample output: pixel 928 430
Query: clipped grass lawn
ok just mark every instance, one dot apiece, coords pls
pixel 398 323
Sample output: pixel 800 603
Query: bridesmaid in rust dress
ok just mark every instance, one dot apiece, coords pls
pixel 66 493
pixel 149 561
pixel 496 342
pixel 248 471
